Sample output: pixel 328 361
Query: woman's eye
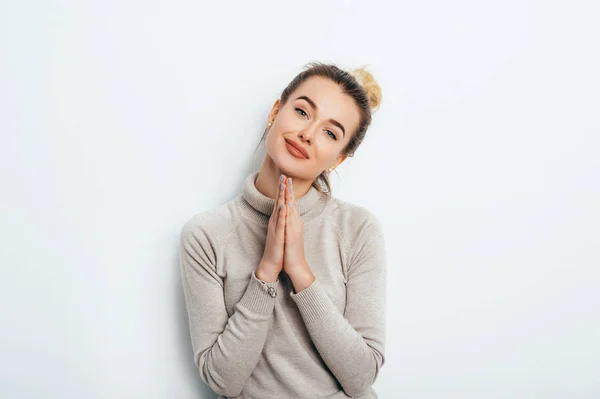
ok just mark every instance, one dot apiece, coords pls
pixel 302 112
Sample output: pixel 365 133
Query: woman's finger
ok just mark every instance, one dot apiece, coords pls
pixel 277 204
pixel 291 196
pixel 280 197
pixel 288 197
pixel 276 197
pixel 282 217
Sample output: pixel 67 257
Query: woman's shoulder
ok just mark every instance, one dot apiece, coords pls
pixel 353 221
pixel 212 223
pixel 341 210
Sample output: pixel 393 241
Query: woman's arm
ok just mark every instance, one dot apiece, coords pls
pixel 226 349
pixel 352 344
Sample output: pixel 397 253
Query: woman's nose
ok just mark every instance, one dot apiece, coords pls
pixel 305 139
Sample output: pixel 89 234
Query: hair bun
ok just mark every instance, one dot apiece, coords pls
pixel 366 80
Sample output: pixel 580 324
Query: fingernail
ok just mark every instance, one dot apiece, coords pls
pixel 290 181
pixel 280 178
pixel 281 186
pixel 281 207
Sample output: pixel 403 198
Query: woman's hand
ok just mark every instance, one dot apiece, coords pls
pixel 271 263
pixel 294 261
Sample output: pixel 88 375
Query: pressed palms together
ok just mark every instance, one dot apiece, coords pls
pixel 284 248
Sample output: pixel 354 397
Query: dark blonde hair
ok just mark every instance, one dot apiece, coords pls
pixel 358 84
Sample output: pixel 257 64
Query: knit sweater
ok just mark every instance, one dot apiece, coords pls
pixel 256 340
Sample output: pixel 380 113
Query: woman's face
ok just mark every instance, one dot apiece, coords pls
pixel 320 119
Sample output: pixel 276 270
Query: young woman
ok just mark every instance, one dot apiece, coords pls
pixel 285 285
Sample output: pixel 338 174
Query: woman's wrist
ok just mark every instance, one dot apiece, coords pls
pixel 264 275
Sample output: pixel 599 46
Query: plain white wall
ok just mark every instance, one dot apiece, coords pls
pixel 122 119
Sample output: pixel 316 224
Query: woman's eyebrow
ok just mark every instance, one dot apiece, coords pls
pixel 312 104
pixel 308 100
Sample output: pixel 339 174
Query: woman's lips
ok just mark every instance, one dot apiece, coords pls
pixel 292 150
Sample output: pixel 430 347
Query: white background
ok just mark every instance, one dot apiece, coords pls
pixel 122 119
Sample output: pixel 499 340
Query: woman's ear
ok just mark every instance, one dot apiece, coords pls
pixel 274 110
pixel 340 159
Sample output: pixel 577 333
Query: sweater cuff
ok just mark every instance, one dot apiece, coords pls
pixel 313 302
pixel 260 296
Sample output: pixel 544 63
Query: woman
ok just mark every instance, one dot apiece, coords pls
pixel 285 285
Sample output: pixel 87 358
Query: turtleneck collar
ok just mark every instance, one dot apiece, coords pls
pixel 258 206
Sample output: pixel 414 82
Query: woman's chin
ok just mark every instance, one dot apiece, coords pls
pixel 289 165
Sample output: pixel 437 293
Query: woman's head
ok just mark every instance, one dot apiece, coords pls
pixel 326 111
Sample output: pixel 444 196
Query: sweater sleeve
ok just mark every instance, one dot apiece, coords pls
pixel 226 349
pixel 352 344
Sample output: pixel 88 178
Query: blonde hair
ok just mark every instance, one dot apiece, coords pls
pixel 368 82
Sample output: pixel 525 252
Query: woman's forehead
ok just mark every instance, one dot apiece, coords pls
pixel 319 87
pixel 328 98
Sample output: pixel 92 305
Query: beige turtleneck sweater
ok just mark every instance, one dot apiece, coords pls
pixel 253 339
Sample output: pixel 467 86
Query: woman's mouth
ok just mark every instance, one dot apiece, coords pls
pixel 292 150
